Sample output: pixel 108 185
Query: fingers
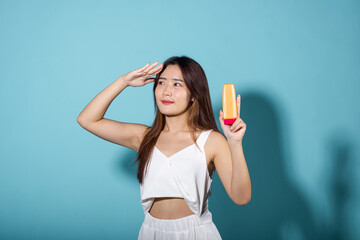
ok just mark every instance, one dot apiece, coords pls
pixel 151 66
pixel 149 71
pixel 147 67
pixel 236 127
pixel 237 124
pixel 221 118
pixel 149 80
pixel 156 70
pixel 238 104
pixel 143 68
pixel 221 114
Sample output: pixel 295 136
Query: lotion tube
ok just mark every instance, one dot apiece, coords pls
pixel 229 104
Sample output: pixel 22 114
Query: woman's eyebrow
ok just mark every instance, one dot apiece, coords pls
pixel 176 79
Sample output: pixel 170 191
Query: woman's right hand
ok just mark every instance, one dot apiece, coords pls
pixel 138 77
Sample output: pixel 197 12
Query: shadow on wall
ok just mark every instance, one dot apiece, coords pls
pixel 277 210
pixel 340 186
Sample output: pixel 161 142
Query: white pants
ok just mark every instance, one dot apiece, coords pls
pixel 189 228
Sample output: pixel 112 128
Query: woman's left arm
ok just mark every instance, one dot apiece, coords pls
pixel 240 180
pixel 240 186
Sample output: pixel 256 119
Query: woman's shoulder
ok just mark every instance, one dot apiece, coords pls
pixel 215 138
pixel 214 143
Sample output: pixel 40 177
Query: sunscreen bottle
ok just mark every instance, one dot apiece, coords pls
pixel 229 104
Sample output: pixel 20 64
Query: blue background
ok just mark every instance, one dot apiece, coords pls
pixel 296 65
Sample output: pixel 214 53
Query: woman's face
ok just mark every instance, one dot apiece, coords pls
pixel 171 87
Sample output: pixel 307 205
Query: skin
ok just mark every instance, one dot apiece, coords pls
pixel 175 131
pixel 223 154
pixel 220 153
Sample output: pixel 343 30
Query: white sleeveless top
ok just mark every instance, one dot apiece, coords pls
pixel 184 174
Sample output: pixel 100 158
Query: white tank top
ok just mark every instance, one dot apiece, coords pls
pixel 184 174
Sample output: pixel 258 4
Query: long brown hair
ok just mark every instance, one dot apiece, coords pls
pixel 201 116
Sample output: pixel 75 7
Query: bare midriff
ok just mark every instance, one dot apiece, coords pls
pixel 170 208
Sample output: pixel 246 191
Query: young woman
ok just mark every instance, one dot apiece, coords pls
pixel 178 154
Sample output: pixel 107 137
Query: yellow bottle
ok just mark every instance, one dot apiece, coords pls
pixel 229 104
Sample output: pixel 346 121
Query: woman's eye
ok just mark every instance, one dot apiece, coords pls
pixel 161 83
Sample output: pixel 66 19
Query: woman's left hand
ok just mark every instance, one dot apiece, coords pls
pixel 236 131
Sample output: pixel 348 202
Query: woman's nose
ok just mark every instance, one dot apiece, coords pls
pixel 167 90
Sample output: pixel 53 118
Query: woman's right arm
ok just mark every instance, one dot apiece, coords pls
pixel 92 118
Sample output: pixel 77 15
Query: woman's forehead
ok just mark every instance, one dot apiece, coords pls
pixel 172 71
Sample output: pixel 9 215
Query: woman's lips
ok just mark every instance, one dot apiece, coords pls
pixel 166 102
